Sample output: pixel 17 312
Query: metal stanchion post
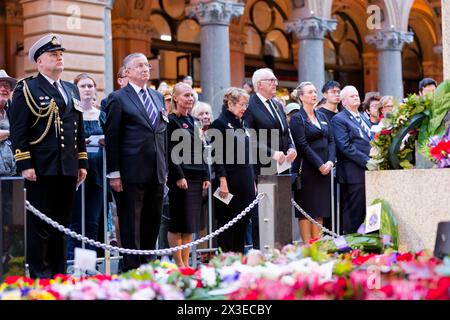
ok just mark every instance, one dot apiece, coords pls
pixel 105 215
pixel 194 251
pixel 210 219
pixel 338 210
pixel 27 266
pixel 83 214
pixel 333 221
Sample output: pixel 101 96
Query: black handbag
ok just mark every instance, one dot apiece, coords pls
pixel 298 179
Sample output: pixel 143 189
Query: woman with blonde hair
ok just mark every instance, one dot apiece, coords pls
pixel 314 141
pixel 186 180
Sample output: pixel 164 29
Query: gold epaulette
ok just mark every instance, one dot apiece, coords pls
pixel 21 81
pixel 19 156
pixel 82 155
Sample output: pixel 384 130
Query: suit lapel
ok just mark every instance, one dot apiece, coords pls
pixel 70 95
pixel 135 99
pixel 280 114
pixel 266 112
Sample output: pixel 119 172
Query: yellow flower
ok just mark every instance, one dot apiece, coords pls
pixel 169 265
pixel 40 295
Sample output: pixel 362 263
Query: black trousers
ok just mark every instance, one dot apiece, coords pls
pixel 353 201
pixel 232 239
pixel 139 207
pixel 46 246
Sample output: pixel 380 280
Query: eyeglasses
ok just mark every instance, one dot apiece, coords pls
pixel 271 80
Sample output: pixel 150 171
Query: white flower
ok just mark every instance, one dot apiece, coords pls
pixel 374 152
pixel 144 294
pixel 208 276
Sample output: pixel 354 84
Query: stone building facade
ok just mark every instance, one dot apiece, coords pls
pixel 376 45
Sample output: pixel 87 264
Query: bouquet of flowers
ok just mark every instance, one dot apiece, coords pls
pixel 388 129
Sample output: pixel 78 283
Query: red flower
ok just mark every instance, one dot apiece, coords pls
pixel 44 282
pixel 385 132
pixel 377 136
pixel 15 279
pixel 405 257
pixel 185 126
pixel 362 259
pixel 187 271
pixel 102 277
pixel 441 150
pixel 442 292
pixel 311 241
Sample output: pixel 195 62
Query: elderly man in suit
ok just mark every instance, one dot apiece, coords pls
pixel 136 151
pixel 352 138
pixel 48 141
pixel 266 117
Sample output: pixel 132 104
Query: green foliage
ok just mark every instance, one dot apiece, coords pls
pixel 389 225
pixel 434 124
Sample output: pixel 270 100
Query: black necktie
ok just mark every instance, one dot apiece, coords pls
pixel 56 85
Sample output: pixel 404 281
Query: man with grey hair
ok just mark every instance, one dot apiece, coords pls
pixel 136 151
pixel 268 121
pixel 352 138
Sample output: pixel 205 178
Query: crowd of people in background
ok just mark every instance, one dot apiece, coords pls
pixel 160 200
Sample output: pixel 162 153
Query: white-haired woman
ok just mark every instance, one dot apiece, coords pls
pixel 236 177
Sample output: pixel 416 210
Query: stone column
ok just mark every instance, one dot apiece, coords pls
pixel 215 16
pixel 311 32
pixel 80 23
pixel 446 37
pixel 237 58
pixel 389 45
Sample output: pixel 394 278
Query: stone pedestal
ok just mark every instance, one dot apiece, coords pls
pixel 215 17
pixel 275 211
pixel 311 32
pixel 390 75
pixel 12 231
pixel 419 199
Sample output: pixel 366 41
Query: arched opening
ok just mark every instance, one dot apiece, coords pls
pixel 412 58
pixel 176 42
pixel 343 53
pixel 268 44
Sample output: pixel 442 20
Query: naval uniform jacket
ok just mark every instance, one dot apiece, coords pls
pixel 61 149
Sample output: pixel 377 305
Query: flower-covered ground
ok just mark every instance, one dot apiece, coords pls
pixel 294 272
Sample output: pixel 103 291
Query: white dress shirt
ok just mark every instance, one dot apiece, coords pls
pixel 60 88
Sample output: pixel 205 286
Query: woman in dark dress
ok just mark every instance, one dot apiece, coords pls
pixel 188 173
pixel 236 177
pixel 313 139
pixel 93 120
